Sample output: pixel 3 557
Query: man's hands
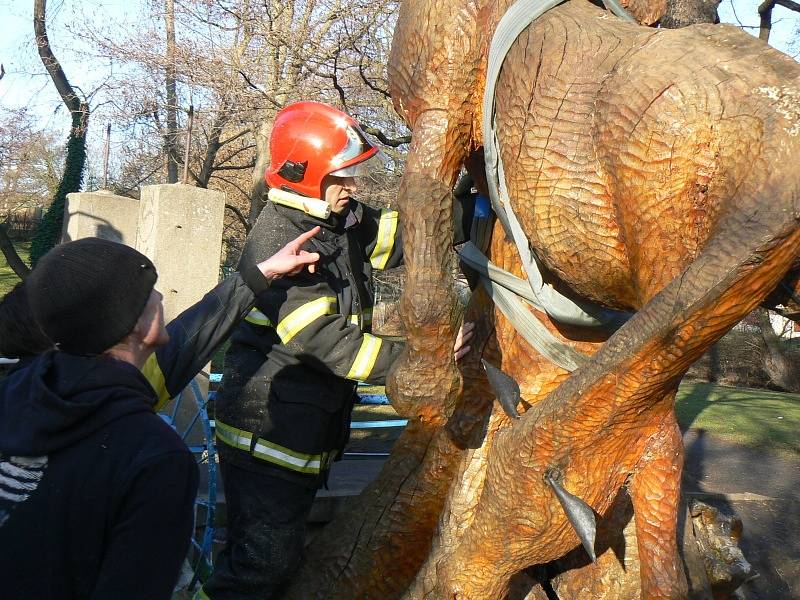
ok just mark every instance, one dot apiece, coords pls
pixel 290 259
pixel 465 332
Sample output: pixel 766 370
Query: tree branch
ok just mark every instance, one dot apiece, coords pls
pixel 365 79
pixel 790 4
pixel 335 80
pixel 222 167
pixel 247 80
pixel 386 141
pixel 65 90
pixel 14 261
pixel 240 216
pixel 765 12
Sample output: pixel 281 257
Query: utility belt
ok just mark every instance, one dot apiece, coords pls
pixel 309 464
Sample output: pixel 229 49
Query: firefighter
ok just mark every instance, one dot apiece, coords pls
pixel 290 374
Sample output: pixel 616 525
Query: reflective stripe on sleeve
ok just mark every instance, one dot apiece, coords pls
pixel 279 455
pixel 256 317
pixel 237 438
pixel 302 317
pixel 366 357
pixel 364 320
pixel 384 242
pixel 155 377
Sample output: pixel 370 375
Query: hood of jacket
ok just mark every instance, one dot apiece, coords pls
pixel 59 399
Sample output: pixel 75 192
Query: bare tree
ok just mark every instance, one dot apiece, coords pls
pixel 50 228
pixel 170 137
pixel 241 61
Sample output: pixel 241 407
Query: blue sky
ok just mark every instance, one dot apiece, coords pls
pixel 26 84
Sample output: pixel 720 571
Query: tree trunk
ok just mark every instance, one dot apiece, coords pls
pixel 779 368
pixel 681 13
pixel 49 232
pixel 17 265
pixel 259 186
pixel 171 135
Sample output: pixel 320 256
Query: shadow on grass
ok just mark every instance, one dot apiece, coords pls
pixel 758 418
pixel 8 279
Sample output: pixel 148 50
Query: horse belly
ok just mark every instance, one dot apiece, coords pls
pixel 544 106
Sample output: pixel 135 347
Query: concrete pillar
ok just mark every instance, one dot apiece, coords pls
pixel 100 214
pixel 180 230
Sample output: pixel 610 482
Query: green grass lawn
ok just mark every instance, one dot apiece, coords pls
pixel 8 278
pixel 752 417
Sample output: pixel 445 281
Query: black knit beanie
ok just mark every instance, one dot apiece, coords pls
pixel 88 294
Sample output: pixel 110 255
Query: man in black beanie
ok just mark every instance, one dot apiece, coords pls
pixel 96 491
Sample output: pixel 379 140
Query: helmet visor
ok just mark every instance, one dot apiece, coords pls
pixel 361 169
pixel 365 168
pixel 356 146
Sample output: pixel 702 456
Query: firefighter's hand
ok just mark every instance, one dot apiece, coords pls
pixel 290 259
pixel 460 349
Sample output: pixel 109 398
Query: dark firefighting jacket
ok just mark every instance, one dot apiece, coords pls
pixel 294 363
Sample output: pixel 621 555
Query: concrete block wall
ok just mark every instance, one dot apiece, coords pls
pixel 100 214
pixel 180 230
pixel 179 227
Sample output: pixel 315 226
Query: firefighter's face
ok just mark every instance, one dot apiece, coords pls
pixel 336 192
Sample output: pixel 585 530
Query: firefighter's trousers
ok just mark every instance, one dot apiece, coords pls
pixel 266 531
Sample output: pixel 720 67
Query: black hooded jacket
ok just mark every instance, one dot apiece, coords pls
pixel 96 491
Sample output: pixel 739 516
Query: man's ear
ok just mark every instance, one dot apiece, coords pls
pixel 146 328
pixel 144 331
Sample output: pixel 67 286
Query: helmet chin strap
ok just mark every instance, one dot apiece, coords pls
pixel 311 206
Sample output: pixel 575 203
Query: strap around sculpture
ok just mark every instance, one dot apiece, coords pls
pixel 559 307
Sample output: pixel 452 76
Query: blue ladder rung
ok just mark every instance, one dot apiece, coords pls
pixel 378 424
pixel 373 399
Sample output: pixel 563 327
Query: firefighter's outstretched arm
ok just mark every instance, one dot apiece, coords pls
pixel 198 331
pixel 304 313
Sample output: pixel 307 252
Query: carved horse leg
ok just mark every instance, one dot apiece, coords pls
pixel 655 493
pixel 597 427
pixel 424 381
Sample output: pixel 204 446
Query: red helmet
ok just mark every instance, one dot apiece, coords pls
pixel 311 140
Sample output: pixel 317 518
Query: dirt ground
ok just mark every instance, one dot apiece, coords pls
pixel 762 488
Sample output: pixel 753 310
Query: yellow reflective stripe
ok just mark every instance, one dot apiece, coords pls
pixel 302 317
pixel 280 455
pixel 200 595
pixel 256 317
pixel 384 242
pixel 237 438
pixel 152 372
pixel 364 319
pixel 366 357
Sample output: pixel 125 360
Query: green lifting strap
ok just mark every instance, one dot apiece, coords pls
pixel 506 291
pixel 503 290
